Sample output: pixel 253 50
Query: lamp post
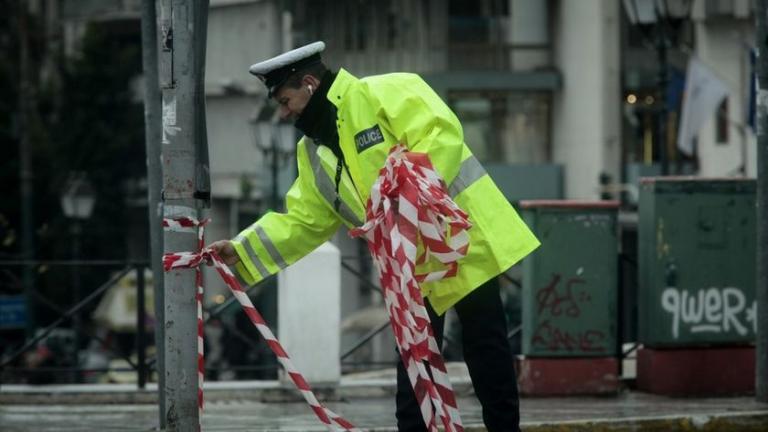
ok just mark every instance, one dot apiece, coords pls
pixel 77 201
pixel 659 21
pixel 275 139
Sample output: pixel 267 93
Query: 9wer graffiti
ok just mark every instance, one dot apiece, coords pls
pixel 560 323
pixel 710 310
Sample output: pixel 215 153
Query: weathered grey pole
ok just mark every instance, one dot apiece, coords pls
pixel 185 191
pixel 761 386
pixel 152 135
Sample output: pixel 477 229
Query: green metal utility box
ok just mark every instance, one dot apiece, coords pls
pixel 696 261
pixel 570 282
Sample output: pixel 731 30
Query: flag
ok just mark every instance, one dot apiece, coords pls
pixel 704 92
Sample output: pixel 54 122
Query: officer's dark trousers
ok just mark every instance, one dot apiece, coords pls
pixel 488 357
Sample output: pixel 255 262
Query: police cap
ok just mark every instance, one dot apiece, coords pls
pixel 276 71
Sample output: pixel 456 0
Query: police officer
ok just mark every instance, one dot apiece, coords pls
pixel 349 126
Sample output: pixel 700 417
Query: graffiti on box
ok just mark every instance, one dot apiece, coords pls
pixel 559 308
pixel 710 310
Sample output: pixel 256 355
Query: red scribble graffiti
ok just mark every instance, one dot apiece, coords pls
pixel 559 299
pixel 554 302
pixel 549 337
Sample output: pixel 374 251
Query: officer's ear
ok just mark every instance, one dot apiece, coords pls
pixel 310 81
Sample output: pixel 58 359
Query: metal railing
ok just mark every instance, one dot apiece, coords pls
pixel 144 365
pixel 140 365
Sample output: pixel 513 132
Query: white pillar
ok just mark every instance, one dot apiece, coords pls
pixel 309 314
pixel 586 111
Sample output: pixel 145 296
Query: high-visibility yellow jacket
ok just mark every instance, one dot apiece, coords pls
pixel 374 114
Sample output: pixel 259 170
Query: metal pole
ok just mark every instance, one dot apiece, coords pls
pixel 152 136
pixel 141 320
pixel 275 162
pixel 663 81
pixel 76 318
pixel 761 383
pixel 181 73
pixel 26 97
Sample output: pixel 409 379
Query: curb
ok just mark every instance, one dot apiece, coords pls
pixel 261 391
pixel 755 421
pixel 725 417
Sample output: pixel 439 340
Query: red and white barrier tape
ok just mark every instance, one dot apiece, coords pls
pixel 190 260
pixel 409 202
pixel 182 260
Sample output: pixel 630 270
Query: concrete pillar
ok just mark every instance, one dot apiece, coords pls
pixel 309 314
pixel 586 111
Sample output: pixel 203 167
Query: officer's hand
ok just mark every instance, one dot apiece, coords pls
pixel 226 251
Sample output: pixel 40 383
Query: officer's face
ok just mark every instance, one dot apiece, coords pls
pixel 292 101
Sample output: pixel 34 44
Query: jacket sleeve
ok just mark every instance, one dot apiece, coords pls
pixel 417 117
pixel 277 240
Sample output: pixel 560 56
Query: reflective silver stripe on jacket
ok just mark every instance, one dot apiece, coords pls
pixel 325 184
pixel 270 247
pixel 470 171
pixel 240 280
pixel 252 255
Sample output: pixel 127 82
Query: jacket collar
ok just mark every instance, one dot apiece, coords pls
pixel 318 119
pixel 340 86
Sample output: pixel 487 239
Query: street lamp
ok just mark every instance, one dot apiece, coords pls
pixel 276 141
pixel 660 21
pixel 77 201
pixel 78 197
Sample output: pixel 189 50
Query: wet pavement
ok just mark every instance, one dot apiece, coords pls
pixel 377 414
pixel 368 403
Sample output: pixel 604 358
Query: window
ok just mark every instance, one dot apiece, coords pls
pixel 475 22
pixel 357 19
pixel 509 127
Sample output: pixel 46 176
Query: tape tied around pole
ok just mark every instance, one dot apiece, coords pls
pixel 193 260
